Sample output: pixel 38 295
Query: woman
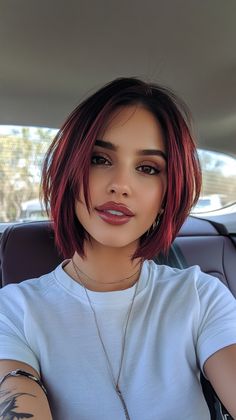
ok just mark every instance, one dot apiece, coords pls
pixel 109 333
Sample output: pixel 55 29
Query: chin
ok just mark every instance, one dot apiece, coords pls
pixel 115 242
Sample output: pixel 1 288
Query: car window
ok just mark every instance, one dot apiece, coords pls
pixel 219 182
pixel 22 150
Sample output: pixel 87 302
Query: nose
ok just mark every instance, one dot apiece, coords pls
pixel 120 184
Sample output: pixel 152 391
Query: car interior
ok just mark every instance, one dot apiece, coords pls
pixel 54 54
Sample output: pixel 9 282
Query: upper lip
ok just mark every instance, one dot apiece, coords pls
pixel 111 205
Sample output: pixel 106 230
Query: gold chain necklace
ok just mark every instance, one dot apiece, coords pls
pixel 78 270
pixel 115 381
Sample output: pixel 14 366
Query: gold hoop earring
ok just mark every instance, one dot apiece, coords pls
pixel 154 225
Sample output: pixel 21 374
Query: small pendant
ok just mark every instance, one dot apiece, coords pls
pixel 118 391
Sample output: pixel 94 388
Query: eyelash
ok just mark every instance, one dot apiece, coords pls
pixel 156 170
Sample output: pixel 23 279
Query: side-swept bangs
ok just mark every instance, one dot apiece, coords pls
pixel 67 163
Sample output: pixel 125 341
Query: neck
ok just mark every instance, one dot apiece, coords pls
pixel 105 271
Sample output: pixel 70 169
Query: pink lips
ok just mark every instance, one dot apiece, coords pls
pixel 114 219
pixel 111 205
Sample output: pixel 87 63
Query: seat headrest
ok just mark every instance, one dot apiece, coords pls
pixel 27 250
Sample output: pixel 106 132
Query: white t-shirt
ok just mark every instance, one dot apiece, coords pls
pixel 179 319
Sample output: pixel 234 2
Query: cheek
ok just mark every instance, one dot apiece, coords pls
pixel 98 186
pixel 97 182
pixel 94 186
pixel 156 192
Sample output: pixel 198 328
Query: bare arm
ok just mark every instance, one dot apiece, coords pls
pixel 21 398
pixel 220 369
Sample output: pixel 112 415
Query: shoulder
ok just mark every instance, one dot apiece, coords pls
pixel 191 280
pixel 175 276
pixel 17 297
pixel 31 295
pixel 26 286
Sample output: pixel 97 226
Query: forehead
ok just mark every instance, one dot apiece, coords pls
pixel 133 124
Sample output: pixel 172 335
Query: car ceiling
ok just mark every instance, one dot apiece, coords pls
pixel 53 53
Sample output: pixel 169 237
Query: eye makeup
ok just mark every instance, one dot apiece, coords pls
pixel 143 152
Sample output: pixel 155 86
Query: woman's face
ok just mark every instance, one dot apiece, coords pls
pixel 128 167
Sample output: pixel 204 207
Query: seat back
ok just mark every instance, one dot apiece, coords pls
pixel 27 250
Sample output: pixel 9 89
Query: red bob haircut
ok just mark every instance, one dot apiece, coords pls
pixel 67 163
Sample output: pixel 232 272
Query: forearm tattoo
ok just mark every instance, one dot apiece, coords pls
pixel 8 405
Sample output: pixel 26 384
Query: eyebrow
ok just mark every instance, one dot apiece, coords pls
pixel 144 152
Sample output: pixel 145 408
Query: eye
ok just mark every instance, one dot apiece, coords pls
pixel 149 170
pixel 99 160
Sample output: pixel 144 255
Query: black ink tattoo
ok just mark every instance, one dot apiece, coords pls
pixel 8 406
